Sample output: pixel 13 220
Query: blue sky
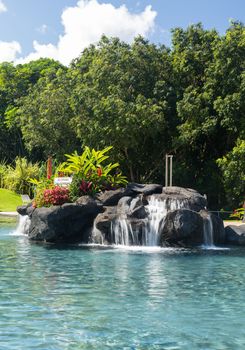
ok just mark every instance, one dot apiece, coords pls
pixel 61 29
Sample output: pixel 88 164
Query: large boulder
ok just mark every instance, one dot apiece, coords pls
pixel 144 189
pixel 182 227
pixel 102 226
pixel 111 197
pixel 26 209
pixel 178 197
pixel 67 223
pixel 235 235
pixel 129 207
pixel 128 214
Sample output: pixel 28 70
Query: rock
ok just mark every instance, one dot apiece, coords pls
pixel 88 201
pixel 145 189
pixel 137 209
pixel 111 197
pixel 68 223
pixel 102 226
pixel 218 229
pixel 217 226
pixel 129 207
pixel 123 206
pixel 22 209
pixel 178 197
pixel 183 226
pixel 235 235
pixel 122 216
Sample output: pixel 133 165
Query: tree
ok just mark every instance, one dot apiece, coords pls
pixel 233 170
pixel 44 115
pixel 210 103
pixel 116 101
pixel 15 82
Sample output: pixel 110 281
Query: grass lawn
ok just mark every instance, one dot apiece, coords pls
pixel 9 200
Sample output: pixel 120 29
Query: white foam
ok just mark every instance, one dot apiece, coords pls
pixel 23 226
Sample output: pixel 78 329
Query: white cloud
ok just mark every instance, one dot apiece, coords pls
pixel 86 22
pixel 3 7
pixel 43 29
pixel 9 50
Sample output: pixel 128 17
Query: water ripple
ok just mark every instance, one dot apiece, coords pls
pixel 52 298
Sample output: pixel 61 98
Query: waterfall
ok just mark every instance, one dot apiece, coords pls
pixel 125 232
pixel 208 232
pixel 23 225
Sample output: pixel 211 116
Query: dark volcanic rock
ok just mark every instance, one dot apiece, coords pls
pixel 111 198
pixel 67 223
pixel 102 226
pixel 89 202
pixel 217 226
pixel 128 208
pixel 178 197
pixel 218 229
pixel 22 209
pixel 183 227
pixel 145 189
pixel 122 216
pixel 235 235
pixel 131 208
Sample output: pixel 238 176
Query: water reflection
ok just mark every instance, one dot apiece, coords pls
pixel 75 298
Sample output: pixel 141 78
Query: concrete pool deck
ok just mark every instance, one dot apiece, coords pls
pixel 9 213
pixel 233 223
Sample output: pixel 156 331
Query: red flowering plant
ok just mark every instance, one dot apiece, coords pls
pixel 56 196
pixel 47 194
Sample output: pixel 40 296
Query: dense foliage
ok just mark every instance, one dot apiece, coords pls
pixel 145 101
pixel 92 173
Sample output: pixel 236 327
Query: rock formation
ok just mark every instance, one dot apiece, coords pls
pixel 138 214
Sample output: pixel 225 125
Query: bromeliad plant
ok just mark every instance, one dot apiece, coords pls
pixel 238 214
pixel 91 174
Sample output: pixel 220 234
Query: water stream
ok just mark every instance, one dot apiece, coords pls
pixel 208 233
pixel 147 234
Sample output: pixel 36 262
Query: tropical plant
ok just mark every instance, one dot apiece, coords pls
pixel 56 196
pixel 16 178
pixel 90 173
pixel 238 214
pixel 39 186
pixel 3 168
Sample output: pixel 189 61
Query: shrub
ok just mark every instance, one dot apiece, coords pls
pixel 3 169
pixel 16 178
pixel 56 196
pixel 238 214
pixel 52 196
pixel 91 174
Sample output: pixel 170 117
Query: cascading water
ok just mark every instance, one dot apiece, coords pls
pixel 208 232
pixel 124 232
pixel 23 225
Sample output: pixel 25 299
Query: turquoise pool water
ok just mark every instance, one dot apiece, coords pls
pixel 52 298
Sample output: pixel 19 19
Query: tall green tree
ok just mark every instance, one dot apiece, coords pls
pixel 44 115
pixel 208 70
pixel 116 101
